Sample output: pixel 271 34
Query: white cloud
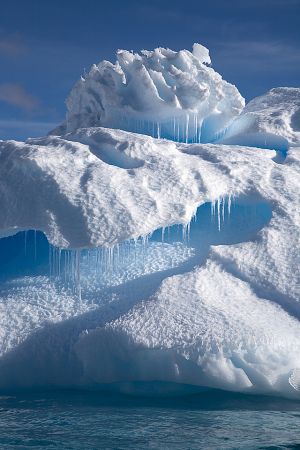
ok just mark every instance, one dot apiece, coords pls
pixel 263 54
pixel 11 45
pixel 14 94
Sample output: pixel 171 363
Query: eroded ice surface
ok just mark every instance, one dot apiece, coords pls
pixel 169 261
pixel 162 93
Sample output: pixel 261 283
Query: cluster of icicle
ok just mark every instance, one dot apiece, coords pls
pixel 65 265
pixel 189 129
pixel 175 129
pixel 218 208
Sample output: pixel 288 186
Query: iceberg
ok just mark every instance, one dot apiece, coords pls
pixel 162 93
pixel 160 255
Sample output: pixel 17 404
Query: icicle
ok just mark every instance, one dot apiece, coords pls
pixel 223 209
pixel 186 232
pixel 194 217
pixel 199 130
pixel 59 258
pixel 187 128
pixel 219 218
pixel 192 131
pixel 50 261
pixel 158 130
pixel 117 255
pixel 70 253
pixel 65 266
pixel 213 210
pixel 229 205
pixel 77 274
pixel 174 129
pixel 183 230
pixel 53 263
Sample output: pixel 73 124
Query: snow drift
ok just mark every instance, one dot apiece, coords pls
pixel 169 261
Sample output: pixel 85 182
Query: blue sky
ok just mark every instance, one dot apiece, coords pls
pixel 45 46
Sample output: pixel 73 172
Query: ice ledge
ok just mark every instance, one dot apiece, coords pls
pixel 69 189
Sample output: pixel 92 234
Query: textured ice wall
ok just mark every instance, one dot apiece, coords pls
pixel 162 93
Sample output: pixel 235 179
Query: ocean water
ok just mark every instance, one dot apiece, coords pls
pixel 97 420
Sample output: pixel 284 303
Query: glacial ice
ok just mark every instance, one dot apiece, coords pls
pixel 171 260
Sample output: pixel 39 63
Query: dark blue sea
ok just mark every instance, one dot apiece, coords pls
pixel 96 420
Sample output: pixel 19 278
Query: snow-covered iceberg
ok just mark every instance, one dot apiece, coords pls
pixel 169 261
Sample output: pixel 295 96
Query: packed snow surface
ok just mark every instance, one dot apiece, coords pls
pixel 170 259
pixel 269 121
